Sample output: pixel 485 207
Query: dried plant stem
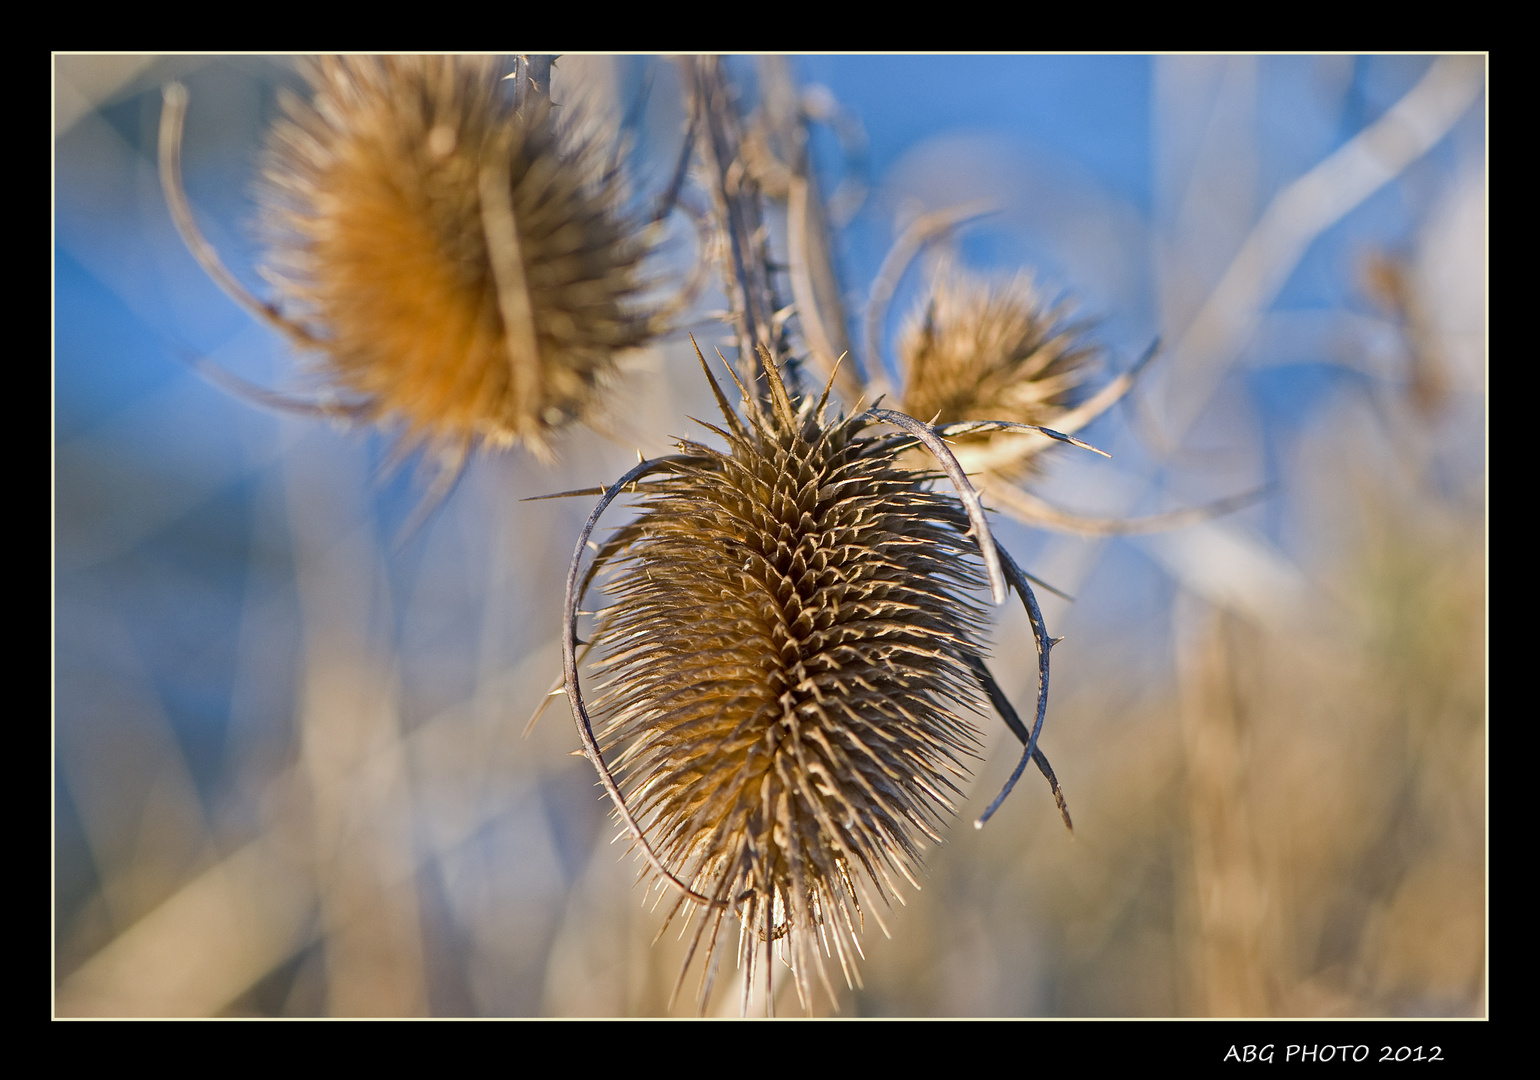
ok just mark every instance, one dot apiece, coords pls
pixel 970 427
pixel 735 197
pixel 1297 215
pixel 700 267
pixel 262 397
pixel 814 284
pixel 1232 901
pixel 1012 720
pixel 1026 507
pixel 533 78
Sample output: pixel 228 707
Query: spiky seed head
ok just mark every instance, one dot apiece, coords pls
pixel 461 318
pixel 784 672
pixel 976 351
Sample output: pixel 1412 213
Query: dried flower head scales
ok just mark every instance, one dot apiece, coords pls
pixel 463 268
pixel 786 668
pixel 977 351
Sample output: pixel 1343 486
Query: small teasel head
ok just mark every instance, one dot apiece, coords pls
pixel 977 351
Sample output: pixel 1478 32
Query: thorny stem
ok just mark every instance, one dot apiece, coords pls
pixel 532 78
pixel 735 195
pixel 814 284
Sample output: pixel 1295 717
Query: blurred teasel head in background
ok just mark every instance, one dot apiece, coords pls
pixel 466 269
pixel 981 351
pixel 463 264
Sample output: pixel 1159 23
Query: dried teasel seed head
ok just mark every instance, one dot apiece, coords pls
pixel 980 352
pixel 787 661
pixel 464 269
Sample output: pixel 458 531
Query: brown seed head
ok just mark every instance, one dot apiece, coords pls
pixel 464 271
pixel 785 664
pixel 977 352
